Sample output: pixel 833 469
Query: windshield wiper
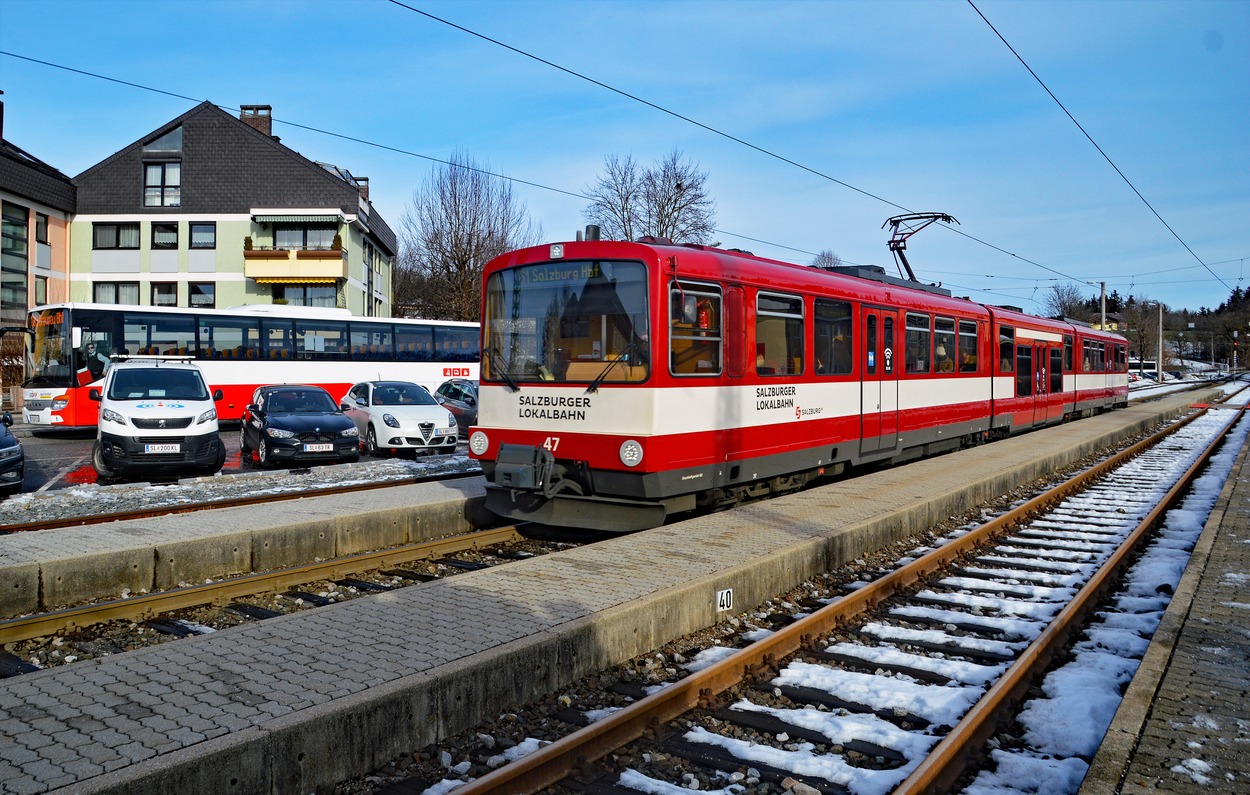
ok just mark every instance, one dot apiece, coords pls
pixel 623 356
pixel 493 356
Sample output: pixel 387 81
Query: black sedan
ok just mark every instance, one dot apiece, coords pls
pixel 292 424
pixel 459 396
pixel 12 461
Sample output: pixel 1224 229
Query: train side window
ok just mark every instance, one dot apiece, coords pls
pixel 833 337
pixel 1067 353
pixel 918 347
pixel 1006 349
pixel 967 346
pixel 695 339
pixel 1024 370
pixel 1056 370
pixel 944 345
pixel 778 334
pixel 871 338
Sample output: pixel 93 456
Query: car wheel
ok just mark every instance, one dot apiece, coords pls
pixel 262 453
pixel 221 458
pixel 244 451
pixel 371 442
pixel 102 469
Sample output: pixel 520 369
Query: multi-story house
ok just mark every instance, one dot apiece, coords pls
pixel 36 205
pixel 213 211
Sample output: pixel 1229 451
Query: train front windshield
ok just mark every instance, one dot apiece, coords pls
pixel 567 321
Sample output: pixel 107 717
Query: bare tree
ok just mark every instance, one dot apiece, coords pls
pixel 460 219
pixel 1066 300
pixel 825 258
pixel 667 200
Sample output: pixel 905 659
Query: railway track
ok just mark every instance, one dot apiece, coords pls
pixel 892 687
pixel 228 491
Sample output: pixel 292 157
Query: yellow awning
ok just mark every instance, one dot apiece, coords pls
pixel 292 280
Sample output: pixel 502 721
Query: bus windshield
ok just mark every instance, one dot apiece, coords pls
pixel 567 321
pixel 48 349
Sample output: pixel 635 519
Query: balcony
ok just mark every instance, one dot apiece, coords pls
pixel 275 266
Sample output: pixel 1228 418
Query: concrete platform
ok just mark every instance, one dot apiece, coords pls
pixel 300 702
pixel 1184 724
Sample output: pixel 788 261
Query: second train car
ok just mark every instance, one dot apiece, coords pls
pixel 625 382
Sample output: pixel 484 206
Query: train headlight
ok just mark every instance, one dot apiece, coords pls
pixel 631 453
pixel 478 443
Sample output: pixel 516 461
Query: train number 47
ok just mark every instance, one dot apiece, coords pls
pixel 551 443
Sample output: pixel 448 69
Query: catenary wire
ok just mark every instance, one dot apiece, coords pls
pixel 1095 143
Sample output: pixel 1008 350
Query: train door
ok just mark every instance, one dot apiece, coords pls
pixel 879 384
pixel 1056 400
pixel 1027 384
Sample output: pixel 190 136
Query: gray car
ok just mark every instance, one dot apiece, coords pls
pixel 459 396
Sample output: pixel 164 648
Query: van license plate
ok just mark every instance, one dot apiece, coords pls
pixel 318 448
pixel 162 448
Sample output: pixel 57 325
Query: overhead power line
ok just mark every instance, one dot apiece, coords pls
pixel 715 131
pixel 1090 138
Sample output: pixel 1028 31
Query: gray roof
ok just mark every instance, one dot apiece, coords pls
pixel 227 167
pixel 24 175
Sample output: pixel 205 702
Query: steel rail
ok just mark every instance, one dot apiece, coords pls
pixel 557 761
pixel 221 592
pixel 230 502
pixel 939 771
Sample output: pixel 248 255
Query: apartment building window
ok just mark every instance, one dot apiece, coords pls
pixel 115 236
pixel 203 295
pixel 116 293
pixel 41 290
pixel 306 294
pixel 41 228
pixel 164 294
pixel 203 235
pixel 165 235
pixel 162 184
pixel 315 236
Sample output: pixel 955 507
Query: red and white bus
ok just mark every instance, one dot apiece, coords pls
pixel 70 346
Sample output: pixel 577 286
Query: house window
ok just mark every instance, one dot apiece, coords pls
pixel 41 228
pixel 162 185
pixel 316 236
pixel 41 290
pixel 165 235
pixel 306 294
pixel 203 295
pixel 115 236
pixel 203 235
pixel 116 293
pixel 164 294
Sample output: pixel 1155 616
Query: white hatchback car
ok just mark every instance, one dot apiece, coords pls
pixel 395 416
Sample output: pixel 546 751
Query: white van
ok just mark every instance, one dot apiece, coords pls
pixel 156 416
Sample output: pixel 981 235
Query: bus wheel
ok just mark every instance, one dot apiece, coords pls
pixel 103 470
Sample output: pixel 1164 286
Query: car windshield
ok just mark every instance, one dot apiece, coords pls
pixel 304 401
pixel 158 384
pixel 401 395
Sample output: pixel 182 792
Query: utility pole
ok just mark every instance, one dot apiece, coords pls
pixel 1102 304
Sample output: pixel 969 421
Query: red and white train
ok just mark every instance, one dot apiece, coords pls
pixel 625 382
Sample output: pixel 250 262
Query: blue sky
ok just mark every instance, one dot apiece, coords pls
pixel 919 106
